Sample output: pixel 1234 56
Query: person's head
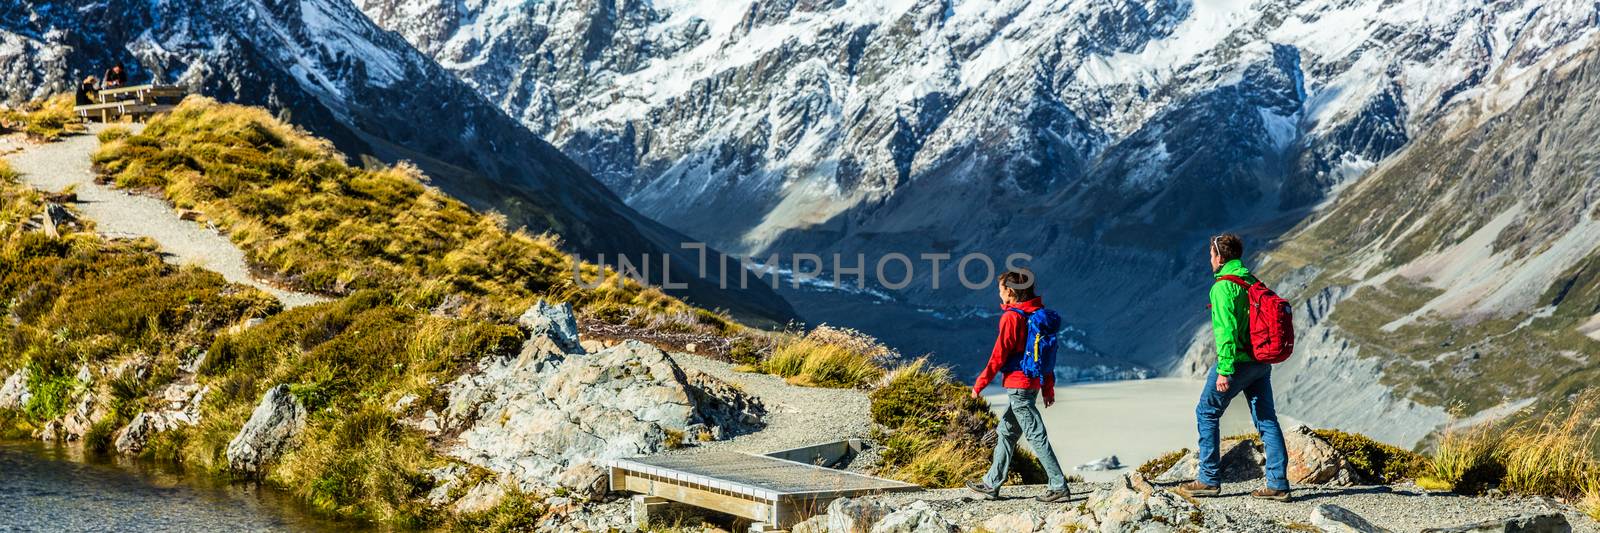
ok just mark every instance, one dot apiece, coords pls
pixel 1017 285
pixel 88 81
pixel 1225 247
pixel 117 67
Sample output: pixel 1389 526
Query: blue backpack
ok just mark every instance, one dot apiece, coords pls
pixel 1039 355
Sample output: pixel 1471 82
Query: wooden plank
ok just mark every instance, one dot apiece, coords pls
pixel 737 506
pixel 126 89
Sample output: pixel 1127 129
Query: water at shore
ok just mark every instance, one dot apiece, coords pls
pixel 1133 420
pixel 60 488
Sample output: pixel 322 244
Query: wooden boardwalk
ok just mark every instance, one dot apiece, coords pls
pixel 775 493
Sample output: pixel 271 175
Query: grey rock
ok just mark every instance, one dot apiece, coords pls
pixel 919 517
pixel 1133 504
pixel 272 426
pixel 1331 518
pixel 14 394
pixel 481 497
pixel 1526 523
pixel 853 515
pixel 555 322
pixel 815 524
pixel 1103 464
pixel 181 408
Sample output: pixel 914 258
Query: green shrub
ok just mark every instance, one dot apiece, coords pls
pixel 934 431
pixel 1374 460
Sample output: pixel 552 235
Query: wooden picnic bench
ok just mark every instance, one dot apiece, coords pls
pixel 136 102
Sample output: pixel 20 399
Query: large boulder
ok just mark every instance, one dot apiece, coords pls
pixel 532 416
pixel 1241 461
pixel 1313 461
pixel 1526 523
pixel 919 517
pixel 1331 518
pixel 272 426
pixel 585 481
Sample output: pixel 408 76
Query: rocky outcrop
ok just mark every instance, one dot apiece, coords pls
pixel 1132 504
pixel 1331 518
pixel 1528 523
pixel 536 416
pixel 268 433
pixel 181 408
pixel 1023 522
pixel 846 514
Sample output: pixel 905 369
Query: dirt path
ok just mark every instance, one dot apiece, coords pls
pixel 55 166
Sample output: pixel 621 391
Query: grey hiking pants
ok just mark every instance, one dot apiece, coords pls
pixel 1022 419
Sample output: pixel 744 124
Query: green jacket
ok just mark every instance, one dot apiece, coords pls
pixel 1230 318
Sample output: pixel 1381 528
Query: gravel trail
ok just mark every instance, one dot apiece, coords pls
pixel 796 416
pixel 52 167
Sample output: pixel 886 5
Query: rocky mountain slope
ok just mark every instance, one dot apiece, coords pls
pixel 329 69
pixel 1101 137
pixel 1463 273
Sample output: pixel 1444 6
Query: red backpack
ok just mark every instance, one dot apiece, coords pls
pixel 1271 322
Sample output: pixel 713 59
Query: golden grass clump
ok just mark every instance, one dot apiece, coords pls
pixel 819 364
pixel 1555 456
pixel 45 120
pixel 1464 460
pixel 934 433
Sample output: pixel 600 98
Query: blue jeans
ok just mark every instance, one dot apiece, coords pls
pixel 1022 419
pixel 1255 381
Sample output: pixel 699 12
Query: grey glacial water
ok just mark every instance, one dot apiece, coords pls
pixel 54 488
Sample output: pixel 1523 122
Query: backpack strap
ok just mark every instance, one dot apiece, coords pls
pixel 1236 280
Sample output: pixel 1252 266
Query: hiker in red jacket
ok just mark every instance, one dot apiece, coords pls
pixel 1021 417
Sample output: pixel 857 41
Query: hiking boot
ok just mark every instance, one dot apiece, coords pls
pixel 1270 494
pixel 1196 489
pixel 1055 496
pixel 988 492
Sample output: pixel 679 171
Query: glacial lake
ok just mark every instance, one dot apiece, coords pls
pixel 46 487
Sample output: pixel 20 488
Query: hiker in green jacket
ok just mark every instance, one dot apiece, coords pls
pixel 1235 372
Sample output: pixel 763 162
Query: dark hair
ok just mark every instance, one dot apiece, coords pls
pixel 1021 282
pixel 1228 246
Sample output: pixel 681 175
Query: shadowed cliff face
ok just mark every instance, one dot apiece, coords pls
pixel 325 66
pixel 1103 138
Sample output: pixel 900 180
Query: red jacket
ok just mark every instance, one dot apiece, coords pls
pixel 1008 345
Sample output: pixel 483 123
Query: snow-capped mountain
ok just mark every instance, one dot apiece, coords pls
pixel 1102 137
pixel 327 67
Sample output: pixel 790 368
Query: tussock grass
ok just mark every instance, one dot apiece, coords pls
pixel 362 465
pixel 45 120
pixel 1464 461
pixel 1552 455
pixel 1589 504
pixel 934 432
pixel 815 363
pixel 1159 465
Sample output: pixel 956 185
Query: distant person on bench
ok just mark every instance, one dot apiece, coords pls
pixel 86 92
pixel 116 77
pixel 1024 359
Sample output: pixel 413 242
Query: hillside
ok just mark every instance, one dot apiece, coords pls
pixel 1103 138
pixel 325 67
pixel 1459 277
